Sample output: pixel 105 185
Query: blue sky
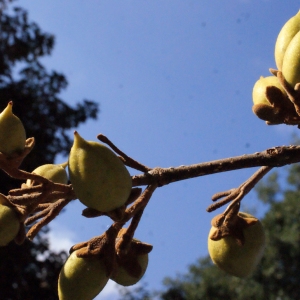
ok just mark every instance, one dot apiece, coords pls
pixel 174 81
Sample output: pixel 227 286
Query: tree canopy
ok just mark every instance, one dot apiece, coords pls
pixel 30 271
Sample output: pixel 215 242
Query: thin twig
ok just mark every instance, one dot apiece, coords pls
pixel 273 157
pixel 237 194
pixel 130 162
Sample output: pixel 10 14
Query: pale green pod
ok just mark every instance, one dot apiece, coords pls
pixel 9 224
pixel 122 277
pixel 12 132
pixel 53 172
pixel 291 61
pixel 99 178
pixel 81 278
pixel 238 260
pixel 259 89
pixel 285 36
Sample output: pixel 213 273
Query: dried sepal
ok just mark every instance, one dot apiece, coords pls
pixel 101 246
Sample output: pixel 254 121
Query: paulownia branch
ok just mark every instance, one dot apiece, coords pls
pixel 273 157
pixel 29 200
pixel 140 203
pixel 128 161
pixel 237 194
pixel 48 215
pixel 105 244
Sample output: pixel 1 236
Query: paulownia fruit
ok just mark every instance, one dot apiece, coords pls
pixel 12 132
pixel 53 172
pixel 99 178
pixel 233 257
pixel 81 278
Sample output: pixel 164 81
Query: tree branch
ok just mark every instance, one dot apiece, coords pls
pixel 273 157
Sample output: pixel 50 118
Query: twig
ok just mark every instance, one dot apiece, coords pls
pixel 237 194
pixel 273 157
pixel 48 215
pixel 130 162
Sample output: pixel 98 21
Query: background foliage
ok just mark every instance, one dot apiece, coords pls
pixel 30 271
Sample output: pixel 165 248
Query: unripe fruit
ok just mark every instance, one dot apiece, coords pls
pixel 121 276
pixel 259 89
pixel 235 259
pixel 99 178
pixel 12 132
pixel 81 278
pixel 291 61
pixel 9 224
pixel 286 34
pixel 55 173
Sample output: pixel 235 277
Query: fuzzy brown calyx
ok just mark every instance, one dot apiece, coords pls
pixel 102 246
pixel 231 225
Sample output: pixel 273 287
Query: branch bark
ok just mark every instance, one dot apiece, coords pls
pixel 273 157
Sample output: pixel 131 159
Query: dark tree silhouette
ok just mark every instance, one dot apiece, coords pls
pixel 30 271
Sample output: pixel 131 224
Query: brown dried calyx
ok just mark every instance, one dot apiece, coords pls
pixel 233 224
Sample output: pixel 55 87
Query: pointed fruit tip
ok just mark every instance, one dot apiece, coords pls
pixel 78 140
pixel 64 165
pixel 8 109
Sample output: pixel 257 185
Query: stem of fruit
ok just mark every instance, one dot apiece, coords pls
pixel 237 194
pixel 128 161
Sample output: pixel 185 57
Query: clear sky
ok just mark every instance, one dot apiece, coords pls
pixel 174 81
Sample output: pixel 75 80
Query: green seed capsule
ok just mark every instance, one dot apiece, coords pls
pixel 121 275
pixel 81 278
pixel 9 224
pixel 12 132
pixel 238 260
pixel 285 36
pixel 259 89
pixel 291 61
pixel 99 178
pixel 53 172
